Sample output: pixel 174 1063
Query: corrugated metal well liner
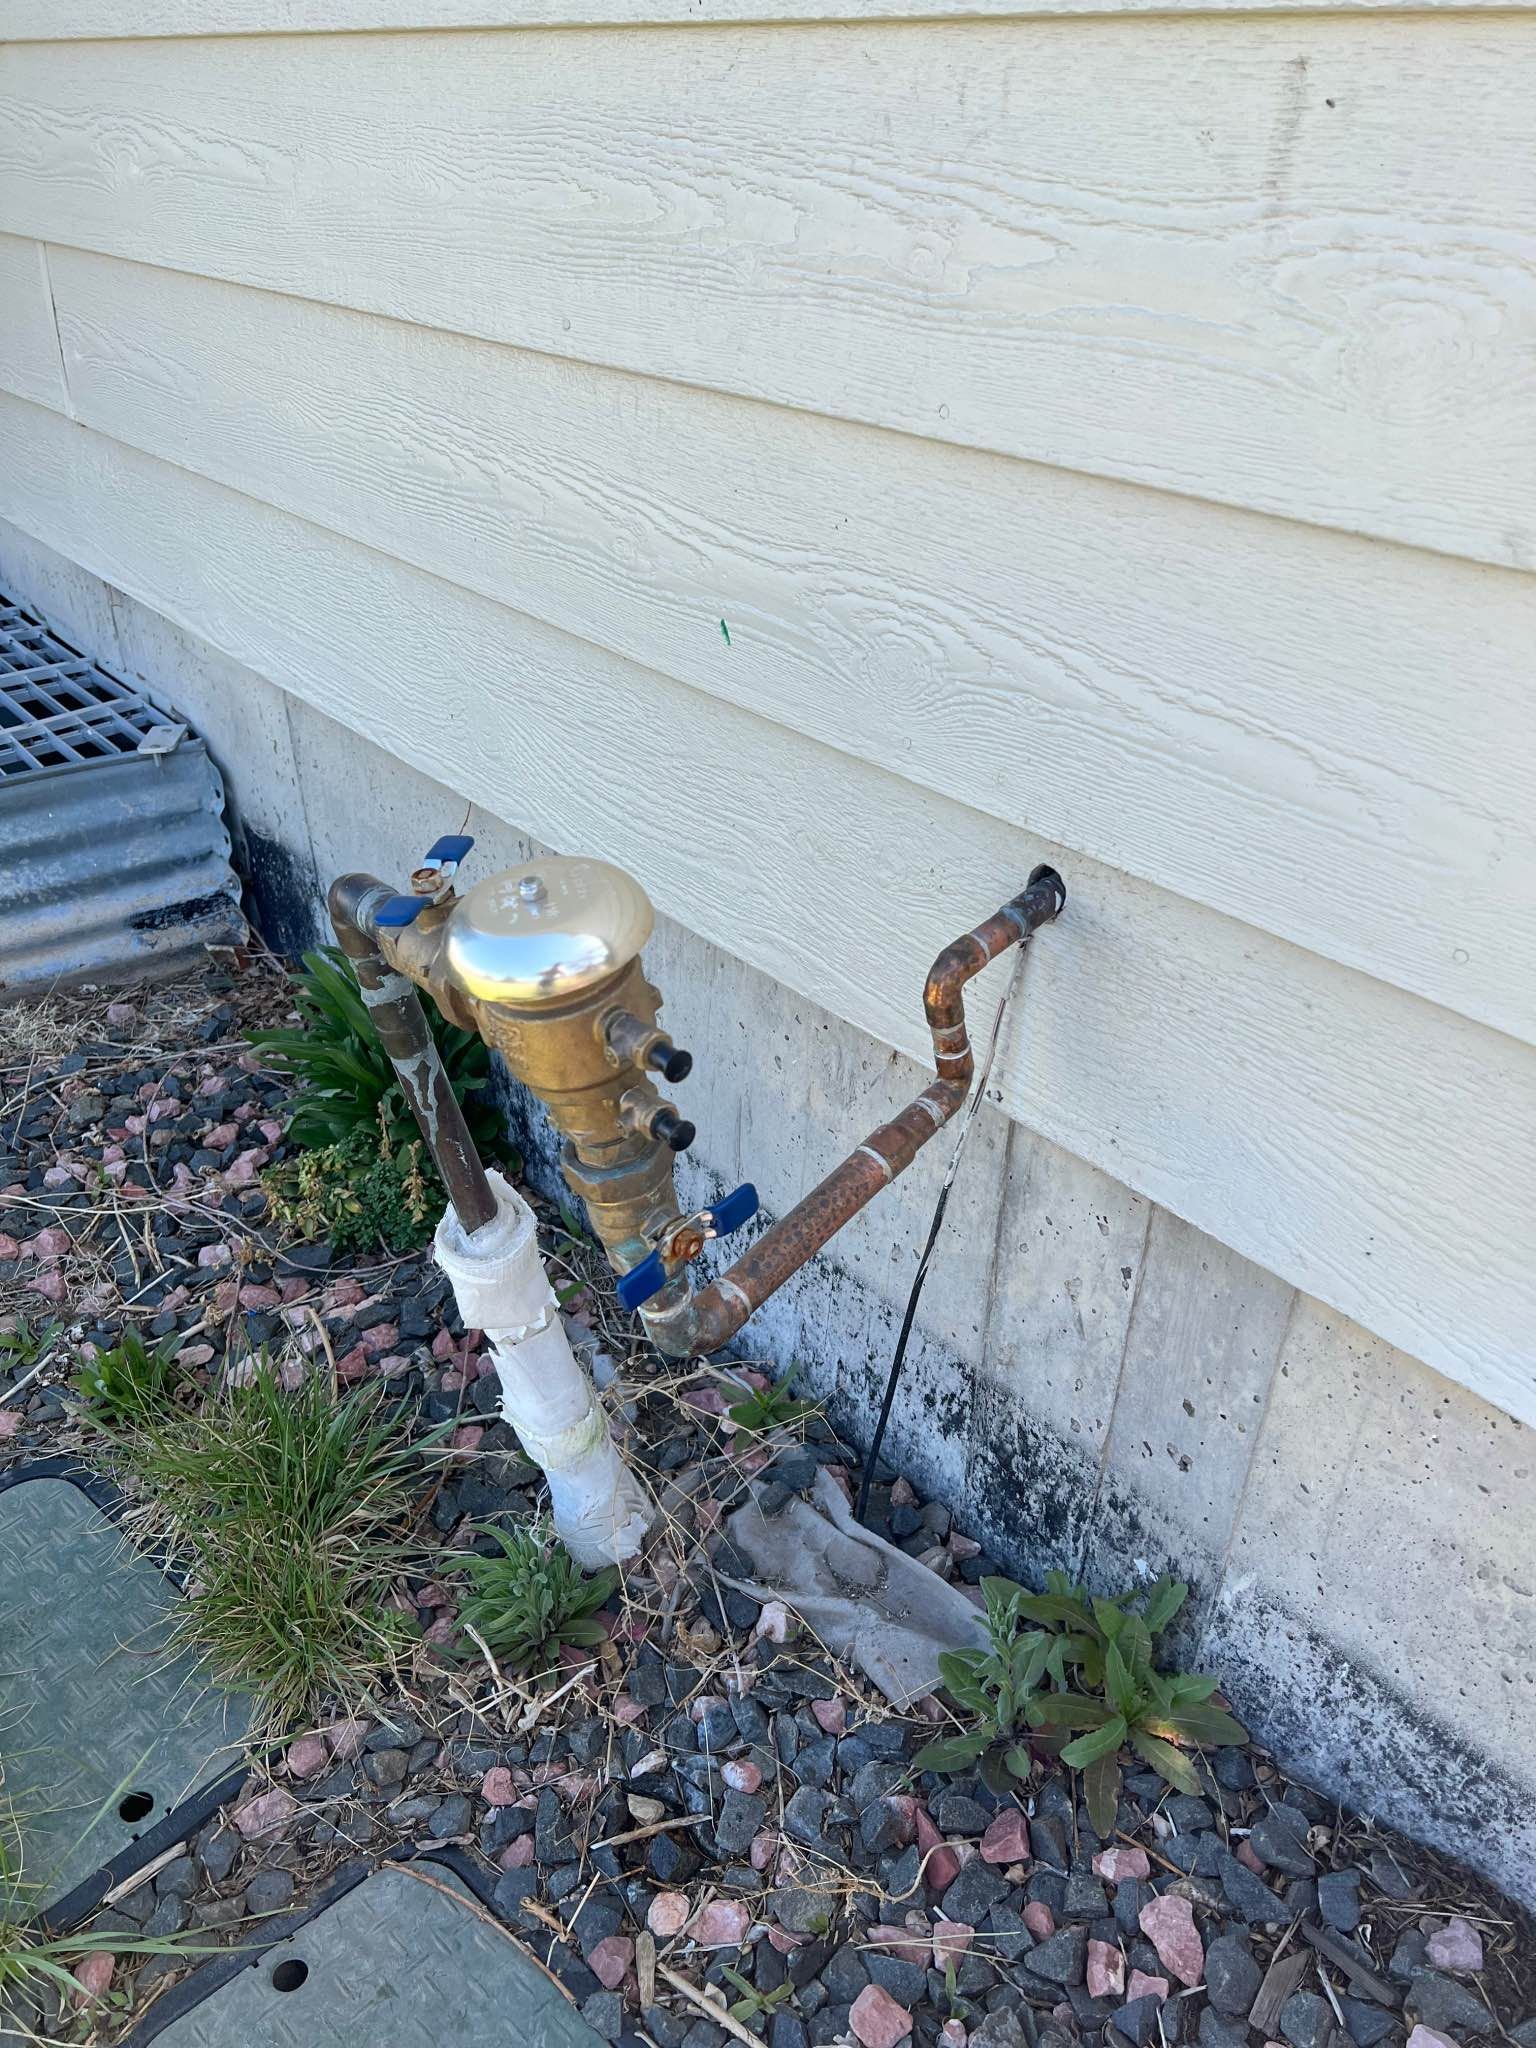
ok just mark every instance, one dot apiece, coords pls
pixel 114 857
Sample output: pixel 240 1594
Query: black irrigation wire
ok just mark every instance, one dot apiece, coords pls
pixel 899 1356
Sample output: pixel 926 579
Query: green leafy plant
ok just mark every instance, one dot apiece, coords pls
pixel 127 1384
pixel 770 1407
pixel 532 1599
pixel 290 1509
pixel 349 1080
pixel 753 2003
pixel 24 1345
pixel 363 1192
pixel 1104 1691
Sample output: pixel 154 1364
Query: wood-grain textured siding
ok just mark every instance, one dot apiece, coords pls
pixel 903 449
pixel 1257 260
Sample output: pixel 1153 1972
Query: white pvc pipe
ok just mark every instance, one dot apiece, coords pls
pixel 602 1511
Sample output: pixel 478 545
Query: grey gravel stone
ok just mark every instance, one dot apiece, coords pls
pixel 217 1849
pixel 604 2013
pixel 786 2030
pixel 1366 2023
pixel 1445 2005
pixel 1249 1898
pixel 1307 2020
pixel 1216 2029
pixel 741 1816
pixel 455 1816
pixel 1279 1838
pixel 905 1981
pixel 1339 1900
pixel 268 1892
pixel 803 1816
pixel 1138 2020
pixel 169 1917
pixel 1060 1959
pixel 1232 1975
pixel 974 1893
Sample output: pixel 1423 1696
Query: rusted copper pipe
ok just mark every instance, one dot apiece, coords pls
pixel 403 1031
pixel 715 1315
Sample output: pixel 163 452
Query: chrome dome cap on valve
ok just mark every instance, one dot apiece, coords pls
pixel 547 932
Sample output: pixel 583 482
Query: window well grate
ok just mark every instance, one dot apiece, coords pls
pixel 58 709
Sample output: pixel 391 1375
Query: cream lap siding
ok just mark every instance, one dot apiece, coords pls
pixel 1106 439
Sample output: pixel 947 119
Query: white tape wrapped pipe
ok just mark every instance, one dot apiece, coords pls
pixel 601 1510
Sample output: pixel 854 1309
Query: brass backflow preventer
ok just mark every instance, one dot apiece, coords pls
pixel 543 962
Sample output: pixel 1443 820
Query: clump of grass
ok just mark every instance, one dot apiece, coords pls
pixel 531 1600
pixel 290 1511
pixel 126 1387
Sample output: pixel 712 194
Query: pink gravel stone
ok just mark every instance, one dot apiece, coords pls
pixel 1040 1919
pixel 211 1256
pixel 10 1421
pixel 1169 1925
pixel 347 1738
pixel 943 1867
pixel 497 1788
pixel 740 1775
pixel 723 1923
pixel 610 1960
pixel 1424 2037
pixel 877 2021
pixel 952 1938
pixel 467 1437
pixel 831 1716
pixel 51 1243
pixel 667 1914
pixel 953 2034
pixel 10 1247
pixel 353 1365
pixel 93 1973
pixel 1116 1866
pixel 1105 1970
pixel 761 1854
pixel 628 1712
pixel 1144 1986
pixel 911 1944
pixel 308 1757
pixel 49 1284
pixel 1250 1858
pixel 1457 1947
pixel 267 1814
pixel 1007 1839
pixel 518 1854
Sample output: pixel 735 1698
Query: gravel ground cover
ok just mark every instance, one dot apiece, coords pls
pixel 705 1827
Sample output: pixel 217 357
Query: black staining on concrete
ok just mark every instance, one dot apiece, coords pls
pixel 282 893
pixel 1328 1716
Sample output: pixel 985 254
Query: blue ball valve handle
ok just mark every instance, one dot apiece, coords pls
pixel 429 884
pixel 732 1210
pixel 653 1273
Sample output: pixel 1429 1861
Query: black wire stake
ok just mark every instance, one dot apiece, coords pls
pixel 899 1356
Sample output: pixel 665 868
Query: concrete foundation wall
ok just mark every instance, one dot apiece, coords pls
pixel 1093 1383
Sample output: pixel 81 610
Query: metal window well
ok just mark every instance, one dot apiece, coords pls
pixel 114 857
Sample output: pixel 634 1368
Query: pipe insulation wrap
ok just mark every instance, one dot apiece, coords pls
pixel 601 1509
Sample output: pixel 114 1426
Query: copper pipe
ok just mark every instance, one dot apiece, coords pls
pixel 715 1315
pixel 403 1031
